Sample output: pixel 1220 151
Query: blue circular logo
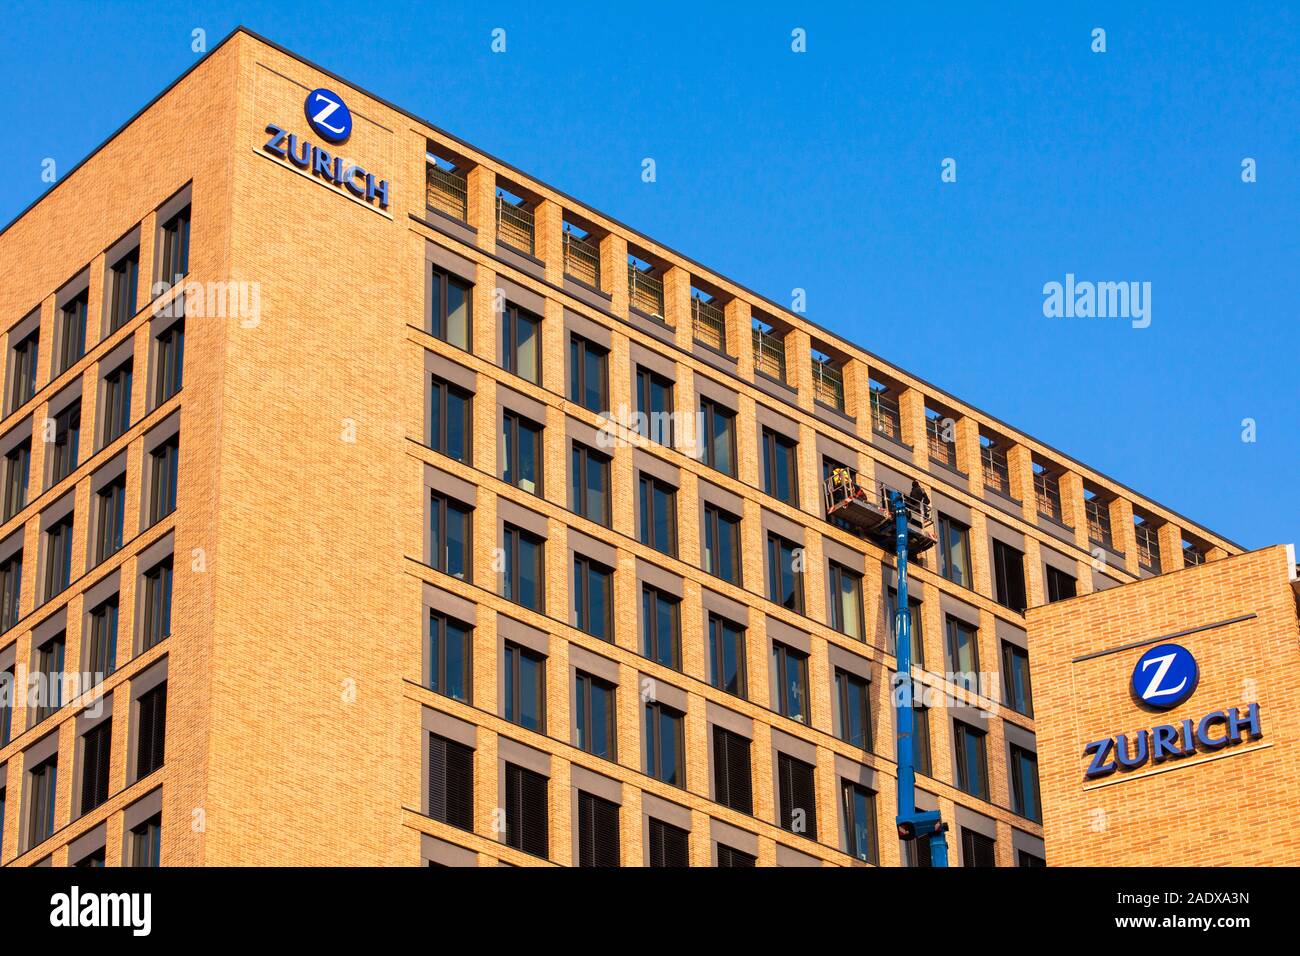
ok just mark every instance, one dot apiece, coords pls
pixel 1165 676
pixel 328 115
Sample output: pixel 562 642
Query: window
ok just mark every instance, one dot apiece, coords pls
pixel 921 740
pixel 1009 576
pixel 669 845
pixel 526 813
pixel 853 695
pixel 72 331
pixel 972 767
pixel 11 586
pixel 1060 585
pixel 23 382
pixel 1026 859
pixel 449 536
pixel 67 438
pixel 123 285
pixel 157 605
pixel 521 456
pixel 727 654
pixel 451 782
pixel 450 427
pixel 58 557
pixel 963 653
pixel 663 744
pixel 522 578
pixel 954 551
pixel 49 667
pixel 790 669
pixel 451 645
pixel 117 402
pixel 859 821
pixel 597 831
pixel 730 856
pixel 164 461
pixel 18 464
pixel 732 779
pixel 594 715
pixel 719 438
pixel 593 597
pixel 94 858
pixel 1024 784
pixel 95 745
pixel 110 518
pixel 976 849
pixel 151 731
pixel 784 572
pixel 42 784
pixel 780 471
pixel 146 842
pixel 1015 679
pixel 524 676
pixel 521 339
pixel 722 544
pixel 589 484
pixel 915 618
pixel 174 248
pixel 101 656
pixel 798 796
pixel 7 692
pixel 449 308
pixel 660 627
pixel 846 601
pixel 170 357
pixel 658 515
pixel 588 376
pixel 654 404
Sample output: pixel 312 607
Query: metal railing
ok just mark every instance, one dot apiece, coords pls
pixel 941 450
pixel 1047 496
pixel 884 416
pixel 1192 556
pixel 1098 515
pixel 828 384
pixel 645 292
pixel 446 191
pixel 582 260
pixel 709 324
pixel 1148 543
pixel 514 225
pixel 769 354
pixel 997 476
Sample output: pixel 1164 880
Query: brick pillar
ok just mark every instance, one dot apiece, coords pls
pixel 968 454
pixel 548 221
pixel 1122 533
pixel 1020 466
pixel 857 397
pixel 740 340
pixel 911 414
pixel 1171 547
pixel 677 305
pixel 1072 513
pixel 480 205
pixel 613 271
pixel 486 321
pixel 798 367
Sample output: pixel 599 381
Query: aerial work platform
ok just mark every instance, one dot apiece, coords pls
pixel 866 511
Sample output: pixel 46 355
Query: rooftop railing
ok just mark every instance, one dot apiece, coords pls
pixel 828 384
pixel 1097 513
pixel 769 354
pixel 581 259
pixel 446 191
pixel 884 416
pixel 1047 496
pixel 515 225
pixel 709 324
pixel 997 475
pixel 1148 544
pixel 645 292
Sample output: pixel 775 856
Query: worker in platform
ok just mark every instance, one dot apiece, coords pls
pixel 918 495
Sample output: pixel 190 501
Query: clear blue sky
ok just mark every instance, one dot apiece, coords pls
pixel 1124 165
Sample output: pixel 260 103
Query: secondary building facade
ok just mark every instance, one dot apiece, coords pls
pixel 368 501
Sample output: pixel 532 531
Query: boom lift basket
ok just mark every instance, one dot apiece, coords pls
pixel 850 500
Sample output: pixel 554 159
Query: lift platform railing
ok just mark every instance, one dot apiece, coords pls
pixel 845 486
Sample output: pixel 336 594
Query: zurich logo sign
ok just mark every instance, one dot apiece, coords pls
pixel 328 116
pixel 1165 676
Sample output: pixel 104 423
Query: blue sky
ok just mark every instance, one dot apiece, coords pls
pixel 1115 166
